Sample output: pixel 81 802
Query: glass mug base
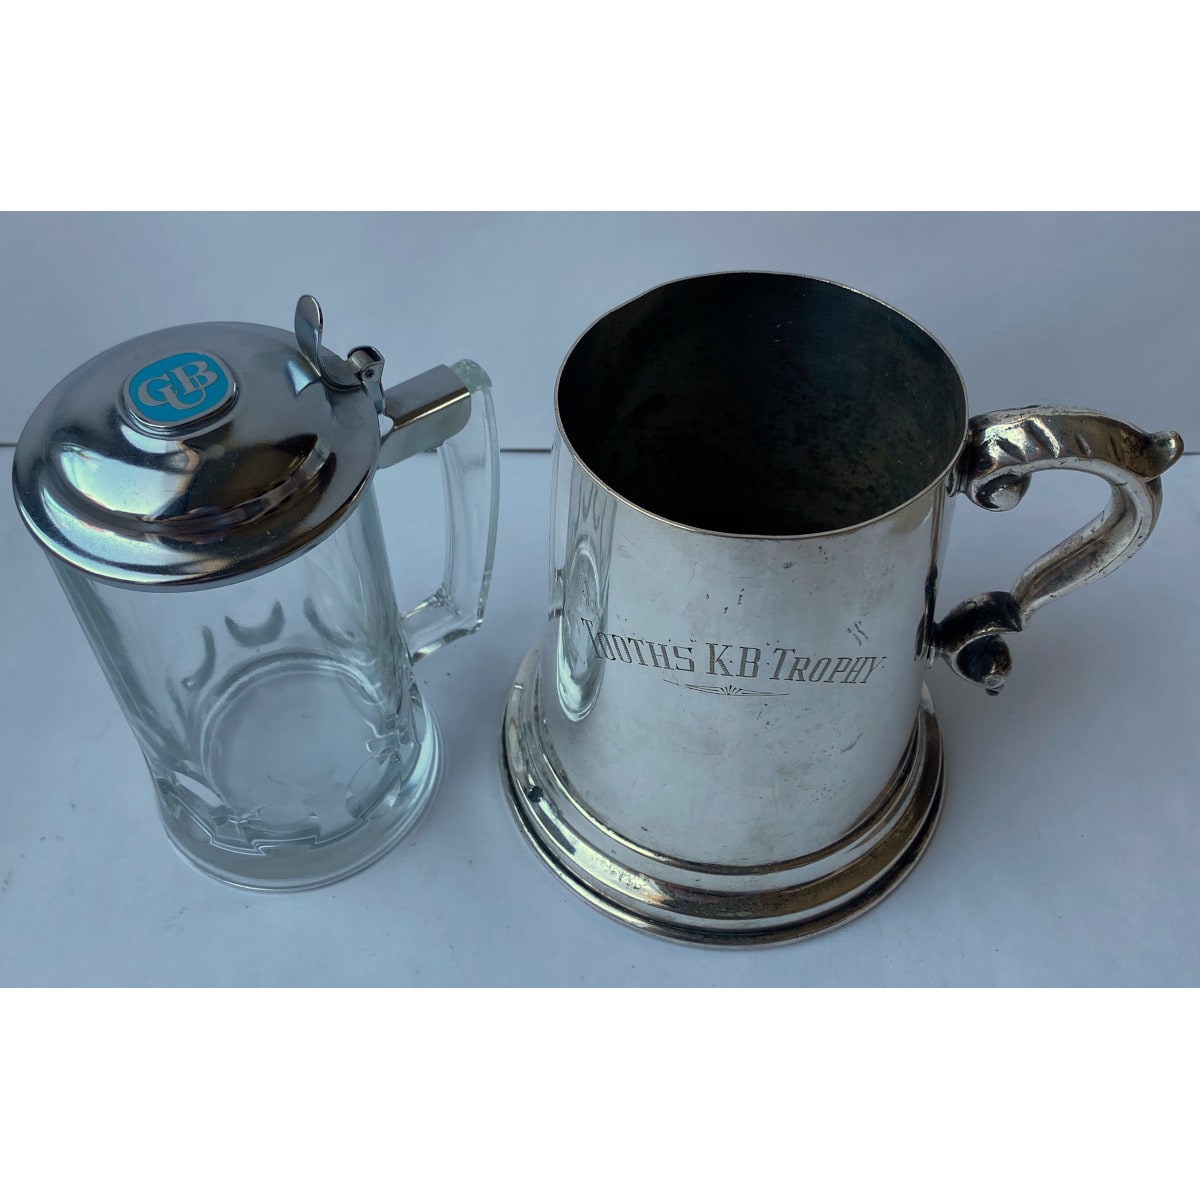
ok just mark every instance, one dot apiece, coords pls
pixel 717 905
pixel 289 842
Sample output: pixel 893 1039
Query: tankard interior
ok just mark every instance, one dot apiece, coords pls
pixel 752 403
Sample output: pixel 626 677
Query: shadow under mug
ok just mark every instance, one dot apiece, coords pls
pixel 723 735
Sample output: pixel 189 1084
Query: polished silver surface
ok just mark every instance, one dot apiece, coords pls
pixel 1003 450
pixel 425 411
pixel 178 501
pixel 723 735
pixel 309 327
pixel 759 904
pixel 239 494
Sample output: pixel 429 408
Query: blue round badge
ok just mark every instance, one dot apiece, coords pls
pixel 179 390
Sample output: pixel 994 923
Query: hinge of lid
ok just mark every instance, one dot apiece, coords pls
pixel 424 411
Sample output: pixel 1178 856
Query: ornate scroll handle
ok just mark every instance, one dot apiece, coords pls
pixel 1002 450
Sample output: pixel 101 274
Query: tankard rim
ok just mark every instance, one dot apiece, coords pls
pixel 945 476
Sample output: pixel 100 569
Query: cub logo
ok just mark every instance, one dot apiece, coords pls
pixel 179 389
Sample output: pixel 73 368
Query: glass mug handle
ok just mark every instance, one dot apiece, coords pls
pixel 1002 451
pixel 450 408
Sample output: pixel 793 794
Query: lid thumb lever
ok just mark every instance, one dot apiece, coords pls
pixel 424 411
pixel 333 370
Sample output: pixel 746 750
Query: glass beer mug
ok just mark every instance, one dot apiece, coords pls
pixel 204 496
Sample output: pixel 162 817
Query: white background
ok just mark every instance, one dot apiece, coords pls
pixel 1067 852
pixel 631 104
pixel 1098 309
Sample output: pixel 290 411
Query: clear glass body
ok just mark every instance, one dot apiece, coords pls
pixel 278 715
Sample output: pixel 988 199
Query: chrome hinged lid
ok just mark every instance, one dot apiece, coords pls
pixel 194 455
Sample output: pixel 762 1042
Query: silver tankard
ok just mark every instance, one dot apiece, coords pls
pixel 723 735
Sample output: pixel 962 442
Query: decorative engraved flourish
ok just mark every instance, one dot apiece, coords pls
pixel 727 689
